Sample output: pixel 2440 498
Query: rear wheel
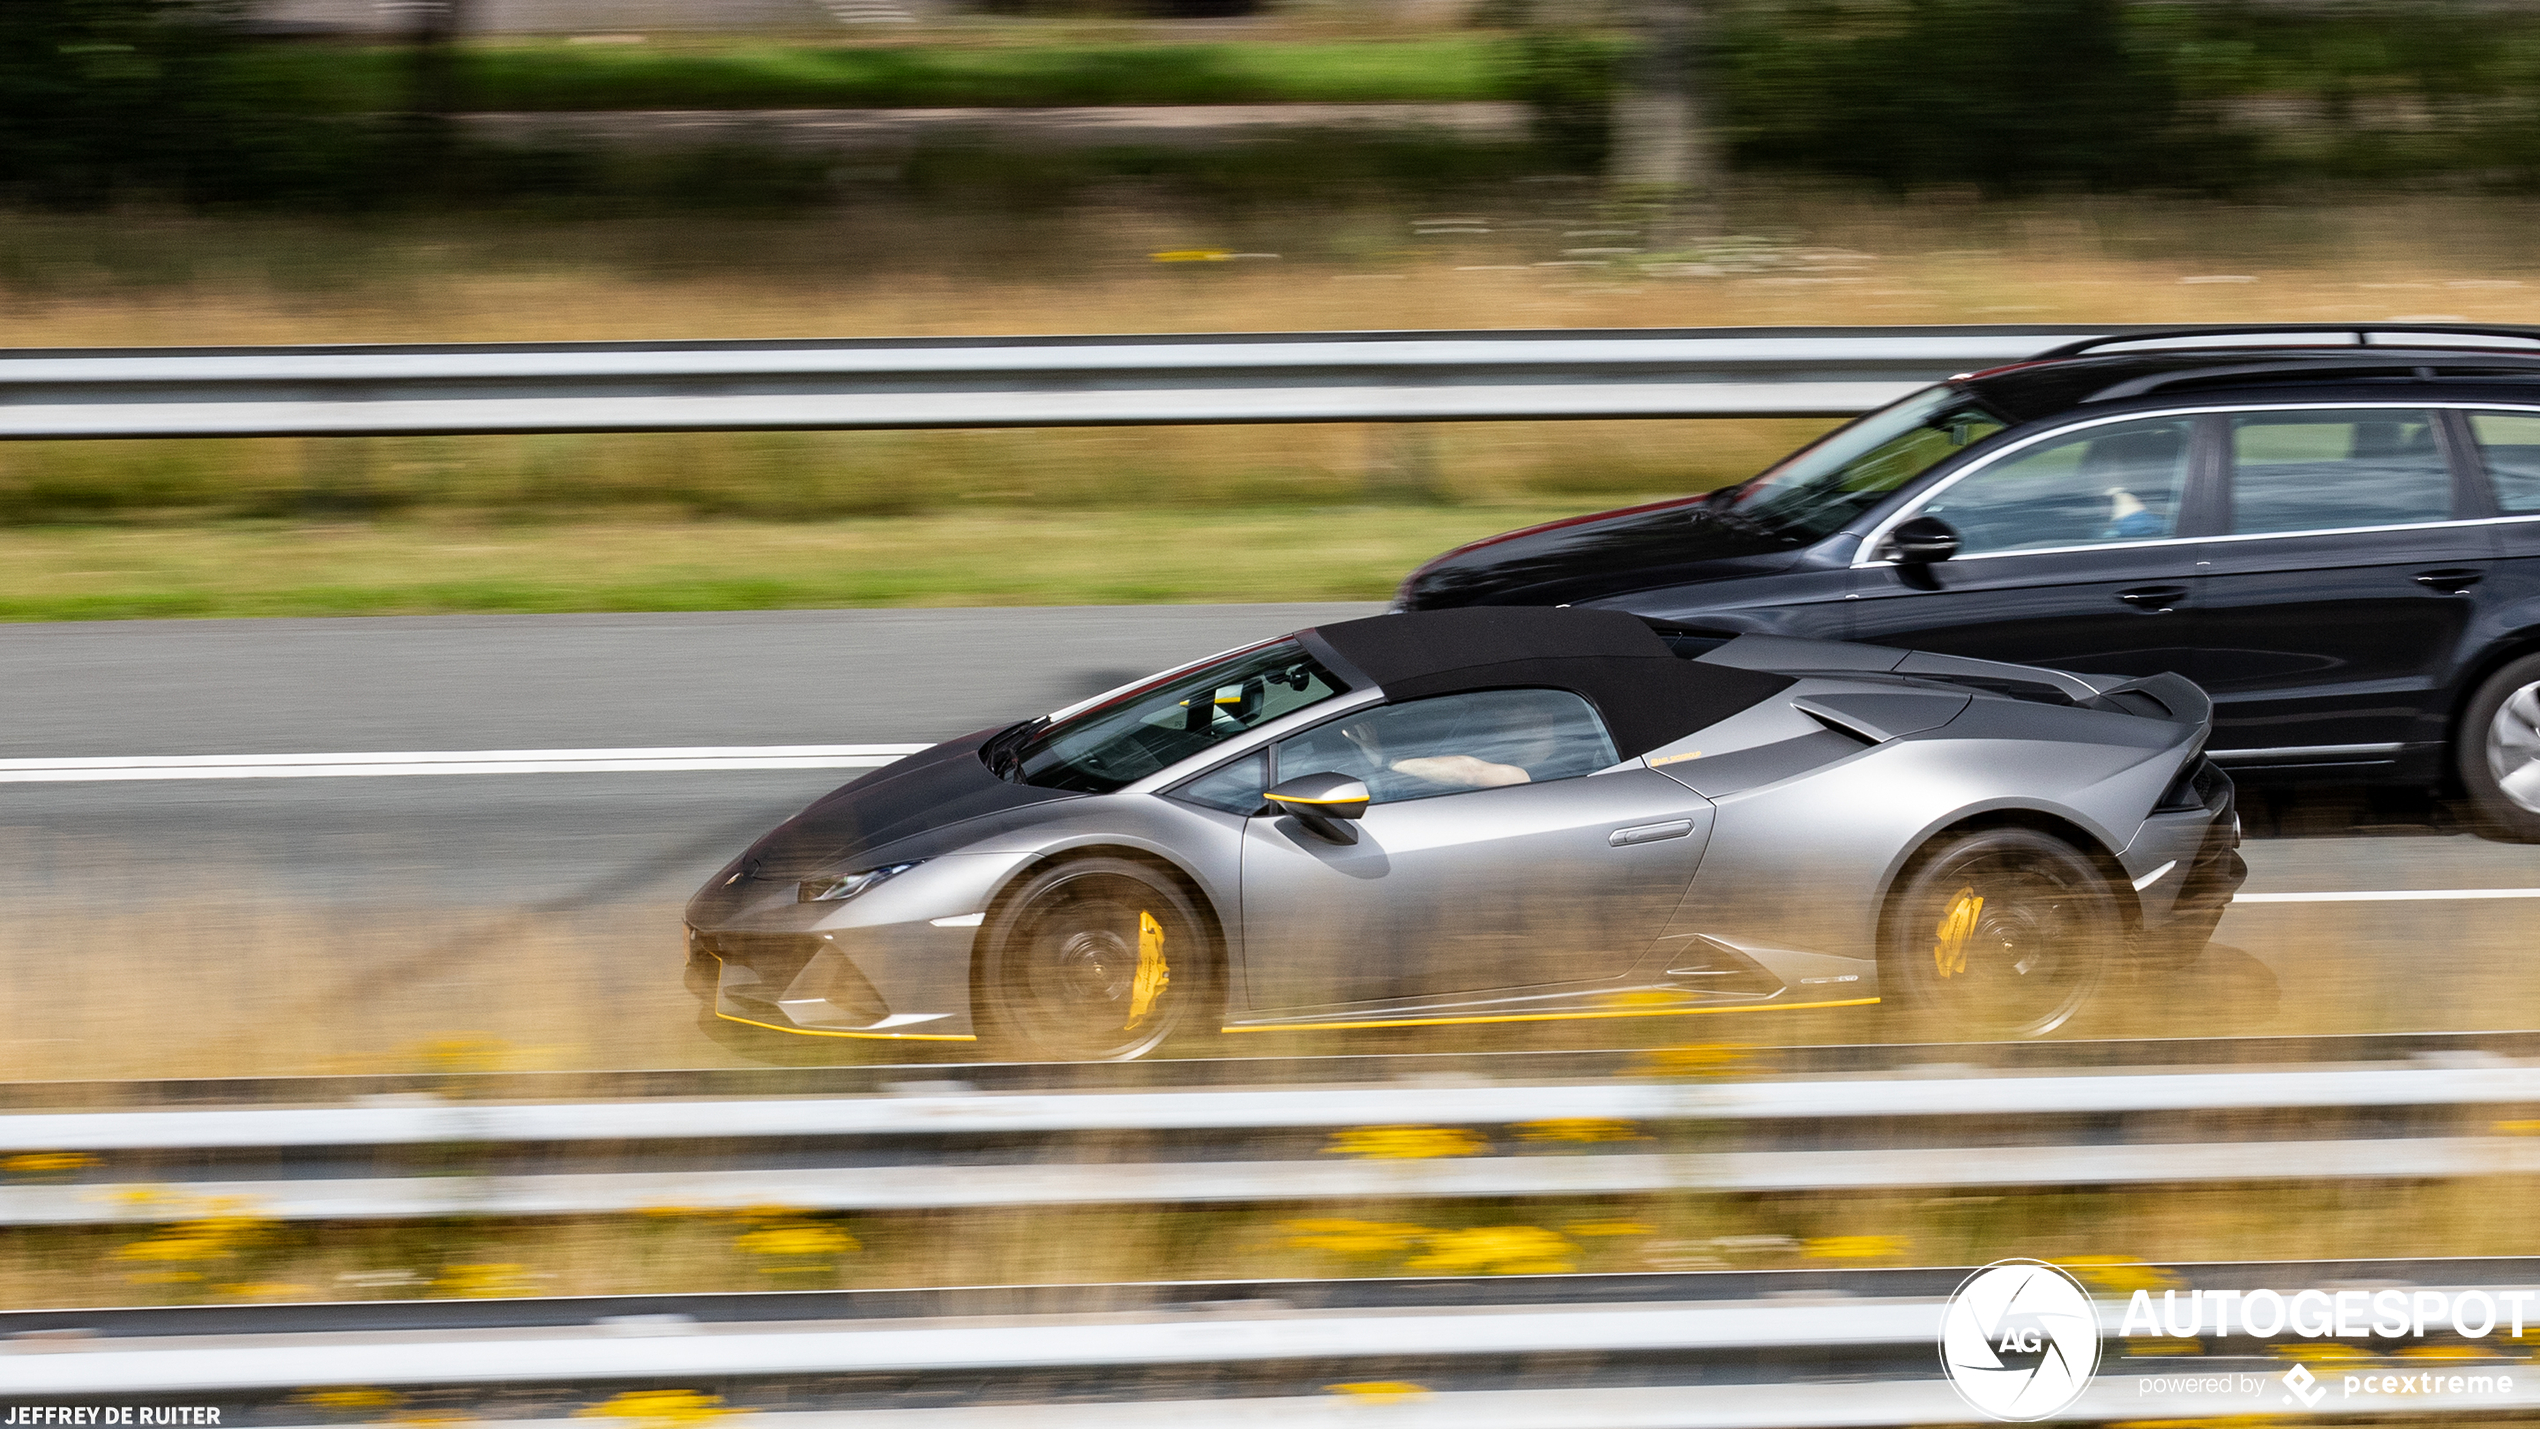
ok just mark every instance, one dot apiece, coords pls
pixel 1998 933
pixel 2498 752
pixel 1096 960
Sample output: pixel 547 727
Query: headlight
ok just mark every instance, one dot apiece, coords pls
pixel 842 886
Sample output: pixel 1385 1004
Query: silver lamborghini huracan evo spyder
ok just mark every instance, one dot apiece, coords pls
pixel 1492 814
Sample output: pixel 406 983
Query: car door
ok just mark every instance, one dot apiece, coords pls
pixel 2338 593
pixel 1492 856
pixel 2070 554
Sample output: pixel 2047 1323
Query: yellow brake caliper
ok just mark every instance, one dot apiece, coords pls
pixel 1152 973
pixel 1949 951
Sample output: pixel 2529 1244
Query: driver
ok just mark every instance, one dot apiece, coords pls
pixel 1513 750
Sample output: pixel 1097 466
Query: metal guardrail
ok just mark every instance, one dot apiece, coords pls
pixel 1252 1072
pixel 1272 1145
pixel 1720 1349
pixel 992 382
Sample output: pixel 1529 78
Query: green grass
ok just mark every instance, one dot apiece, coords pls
pixel 441 565
pixel 548 76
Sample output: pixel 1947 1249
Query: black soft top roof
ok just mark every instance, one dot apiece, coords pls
pixel 1648 695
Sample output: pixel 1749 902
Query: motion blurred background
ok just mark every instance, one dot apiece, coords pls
pixel 216 172
pixel 194 172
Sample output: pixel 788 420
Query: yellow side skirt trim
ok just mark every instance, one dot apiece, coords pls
pixel 869 1036
pixel 1544 1016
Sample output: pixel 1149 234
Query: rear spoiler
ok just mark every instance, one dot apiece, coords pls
pixel 2172 698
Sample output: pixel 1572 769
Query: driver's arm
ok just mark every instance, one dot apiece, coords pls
pixel 1462 770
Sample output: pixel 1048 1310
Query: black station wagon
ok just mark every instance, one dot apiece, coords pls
pixel 2336 531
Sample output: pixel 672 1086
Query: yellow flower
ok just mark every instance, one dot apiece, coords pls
pixel 675 1408
pixel 263 1290
pixel 1696 1059
pixel 1496 1250
pixel 37 1163
pixel 798 1241
pixel 348 1400
pixel 1854 1247
pixel 1581 1129
pixel 1606 1228
pixel 484 1282
pixel 1405 1143
pixel 1379 1391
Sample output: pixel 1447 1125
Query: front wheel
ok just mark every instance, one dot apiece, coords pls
pixel 1998 933
pixel 1095 960
pixel 2498 752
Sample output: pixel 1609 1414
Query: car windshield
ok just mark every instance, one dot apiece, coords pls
pixel 1126 738
pixel 1822 487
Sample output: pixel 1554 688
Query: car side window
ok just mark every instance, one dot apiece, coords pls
pixel 2327 471
pixel 1454 744
pixel 2511 444
pixel 1233 788
pixel 2105 484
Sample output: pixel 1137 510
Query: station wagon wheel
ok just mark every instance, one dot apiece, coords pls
pixel 2498 752
pixel 1096 960
pixel 1998 933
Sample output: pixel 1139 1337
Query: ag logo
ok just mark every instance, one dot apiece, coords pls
pixel 2020 1340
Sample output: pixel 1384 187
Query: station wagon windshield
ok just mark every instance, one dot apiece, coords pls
pixel 1127 738
pixel 1820 489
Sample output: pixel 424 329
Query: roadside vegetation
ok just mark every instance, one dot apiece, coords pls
pixel 713 72
pixel 122 529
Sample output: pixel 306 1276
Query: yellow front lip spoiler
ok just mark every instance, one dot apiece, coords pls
pixel 817 1032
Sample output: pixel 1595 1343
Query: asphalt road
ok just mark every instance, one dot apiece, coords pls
pixel 438 684
pixel 410 868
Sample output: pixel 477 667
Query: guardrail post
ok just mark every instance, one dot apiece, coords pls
pixel 1402 464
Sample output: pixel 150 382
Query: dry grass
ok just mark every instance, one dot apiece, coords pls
pixel 231 980
pixel 231 1256
pixel 880 271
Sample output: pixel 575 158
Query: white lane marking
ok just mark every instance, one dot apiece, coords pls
pixel 2395 896
pixel 470 761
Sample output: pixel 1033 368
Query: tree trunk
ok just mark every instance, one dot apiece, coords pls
pixel 1661 146
pixel 433 80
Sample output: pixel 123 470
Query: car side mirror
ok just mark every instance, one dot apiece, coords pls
pixel 1327 804
pixel 1923 540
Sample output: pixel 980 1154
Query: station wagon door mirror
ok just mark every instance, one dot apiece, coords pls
pixel 1923 540
pixel 1327 804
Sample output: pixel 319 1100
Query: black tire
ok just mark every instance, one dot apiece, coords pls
pixel 1095 960
pixel 2497 752
pixel 2000 932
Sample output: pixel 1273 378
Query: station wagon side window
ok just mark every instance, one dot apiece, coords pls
pixel 2510 443
pixel 2118 482
pixel 1454 744
pixel 2336 470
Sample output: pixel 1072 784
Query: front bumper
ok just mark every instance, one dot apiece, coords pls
pixel 893 963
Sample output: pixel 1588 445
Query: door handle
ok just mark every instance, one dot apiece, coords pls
pixel 2155 599
pixel 2450 580
pixel 1649 833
